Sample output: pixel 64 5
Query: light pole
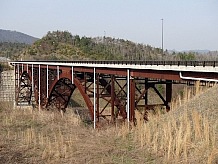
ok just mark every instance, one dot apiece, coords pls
pixel 104 36
pixel 162 37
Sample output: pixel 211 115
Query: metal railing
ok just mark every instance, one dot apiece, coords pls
pixel 129 62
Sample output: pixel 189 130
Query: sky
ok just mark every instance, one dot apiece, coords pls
pixel 187 24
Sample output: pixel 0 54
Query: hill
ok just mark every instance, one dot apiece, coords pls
pixel 16 37
pixel 63 45
pixel 9 50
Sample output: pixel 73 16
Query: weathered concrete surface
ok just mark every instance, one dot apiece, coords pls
pixel 7 87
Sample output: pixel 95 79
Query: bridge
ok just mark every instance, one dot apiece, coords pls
pixel 123 85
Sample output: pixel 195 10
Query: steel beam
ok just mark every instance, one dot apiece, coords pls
pixel 112 98
pixel 132 99
pixel 156 74
pixel 146 93
pixel 128 96
pixel 72 76
pixel 168 94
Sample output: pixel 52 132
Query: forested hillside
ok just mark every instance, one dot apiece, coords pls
pixel 63 45
pixel 13 43
pixel 9 50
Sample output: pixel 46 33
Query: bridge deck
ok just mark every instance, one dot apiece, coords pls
pixel 194 66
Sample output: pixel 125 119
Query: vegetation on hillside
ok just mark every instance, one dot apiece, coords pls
pixel 63 45
pixel 10 50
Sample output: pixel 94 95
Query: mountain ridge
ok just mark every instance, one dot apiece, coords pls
pixel 16 37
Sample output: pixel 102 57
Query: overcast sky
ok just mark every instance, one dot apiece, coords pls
pixel 188 24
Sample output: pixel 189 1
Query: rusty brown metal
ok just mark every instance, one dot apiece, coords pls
pixel 156 74
pixel 146 88
pixel 60 94
pixel 36 84
pixel 56 93
pixel 24 90
pixel 142 94
pixel 207 75
pixel 111 71
pixel 161 97
pixel 43 87
pixel 168 94
pixel 112 98
pixel 109 87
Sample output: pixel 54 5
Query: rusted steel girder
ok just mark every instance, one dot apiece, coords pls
pixel 104 91
pixel 112 98
pixel 57 81
pixel 24 90
pixel 60 94
pixel 110 89
pixel 168 94
pixel 62 89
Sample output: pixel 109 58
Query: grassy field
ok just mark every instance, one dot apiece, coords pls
pixel 187 134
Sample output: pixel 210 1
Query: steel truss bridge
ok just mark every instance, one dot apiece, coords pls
pixel 123 85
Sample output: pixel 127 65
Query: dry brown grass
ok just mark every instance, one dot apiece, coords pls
pixel 184 135
pixel 180 137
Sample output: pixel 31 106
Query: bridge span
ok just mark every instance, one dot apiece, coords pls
pixel 123 85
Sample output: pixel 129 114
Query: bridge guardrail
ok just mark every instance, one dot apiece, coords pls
pixel 131 62
pixel 178 63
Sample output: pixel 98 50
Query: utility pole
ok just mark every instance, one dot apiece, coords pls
pixel 162 38
pixel 104 37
